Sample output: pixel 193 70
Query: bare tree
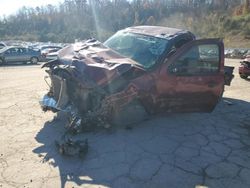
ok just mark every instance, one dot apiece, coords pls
pixel 246 7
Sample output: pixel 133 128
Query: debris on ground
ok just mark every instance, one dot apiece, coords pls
pixel 73 148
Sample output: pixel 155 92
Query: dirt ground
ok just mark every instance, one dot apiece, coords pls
pixel 176 151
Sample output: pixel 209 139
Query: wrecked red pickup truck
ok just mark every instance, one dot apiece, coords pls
pixel 138 71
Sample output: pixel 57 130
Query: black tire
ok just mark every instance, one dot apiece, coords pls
pixel 243 76
pixel 34 60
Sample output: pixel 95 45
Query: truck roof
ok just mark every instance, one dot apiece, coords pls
pixel 159 31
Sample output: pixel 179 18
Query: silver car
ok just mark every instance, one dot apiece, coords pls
pixel 2 45
pixel 15 54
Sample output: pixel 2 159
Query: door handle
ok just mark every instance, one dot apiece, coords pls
pixel 212 84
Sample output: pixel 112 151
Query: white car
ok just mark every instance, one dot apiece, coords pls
pixel 51 56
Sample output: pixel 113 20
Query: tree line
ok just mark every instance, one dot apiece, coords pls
pixel 81 19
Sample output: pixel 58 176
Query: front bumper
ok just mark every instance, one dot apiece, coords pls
pixel 49 103
pixel 56 99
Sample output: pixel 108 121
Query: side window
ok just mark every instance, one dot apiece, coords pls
pixel 30 50
pixel 13 50
pixel 7 52
pixel 19 51
pixel 200 59
pixel 22 50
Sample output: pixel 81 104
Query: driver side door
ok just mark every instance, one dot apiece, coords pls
pixel 192 80
pixel 10 54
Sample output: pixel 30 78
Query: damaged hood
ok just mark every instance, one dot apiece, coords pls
pixel 92 58
pixel 93 53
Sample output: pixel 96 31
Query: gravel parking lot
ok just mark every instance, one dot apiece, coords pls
pixel 175 151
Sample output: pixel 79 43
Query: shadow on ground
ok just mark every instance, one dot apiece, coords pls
pixel 247 79
pixel 178 150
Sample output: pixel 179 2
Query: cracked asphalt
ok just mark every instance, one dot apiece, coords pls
pixel 175 151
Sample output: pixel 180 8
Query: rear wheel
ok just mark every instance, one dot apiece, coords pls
pixel 243 76
pixel 34 60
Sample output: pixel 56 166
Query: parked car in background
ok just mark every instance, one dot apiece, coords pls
pixel 228 53
pixel 14 54
pixel 2 45
pixel 51 56
pixel 45 50
pixel 244 68
pixel 247 54
pixel 237 53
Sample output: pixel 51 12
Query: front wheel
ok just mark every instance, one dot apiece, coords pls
pixel 34 60
pixel 131 113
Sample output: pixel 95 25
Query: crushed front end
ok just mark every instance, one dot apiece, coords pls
pixel 88 82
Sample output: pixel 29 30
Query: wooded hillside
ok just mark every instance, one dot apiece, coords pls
pixel 81 19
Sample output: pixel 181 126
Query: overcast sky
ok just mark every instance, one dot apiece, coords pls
pixel 8 7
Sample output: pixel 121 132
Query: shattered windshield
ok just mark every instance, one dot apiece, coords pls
pixel 141 48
